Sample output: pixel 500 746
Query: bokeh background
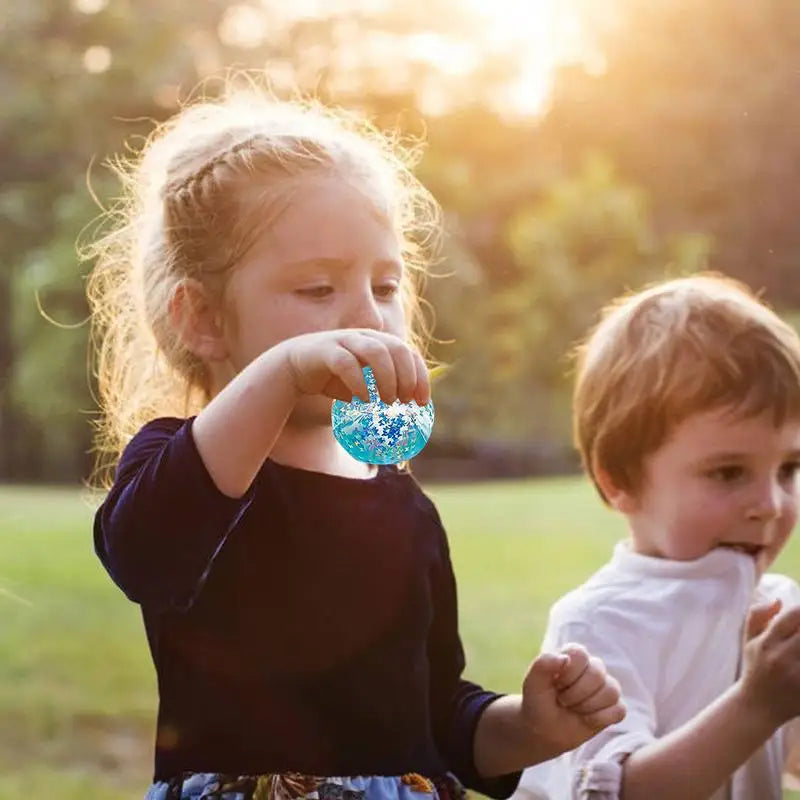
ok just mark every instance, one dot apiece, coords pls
pixel 577 147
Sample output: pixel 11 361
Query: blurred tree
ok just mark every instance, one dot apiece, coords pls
pixel 104 71
pixel 61 109
pixel 585 239
pixel 540 237
pixel 696 104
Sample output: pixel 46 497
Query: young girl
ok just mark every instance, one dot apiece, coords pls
pixel 300 606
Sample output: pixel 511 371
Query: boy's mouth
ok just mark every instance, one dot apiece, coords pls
pixel 748 549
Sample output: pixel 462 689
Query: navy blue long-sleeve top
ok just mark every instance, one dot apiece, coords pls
pixel 309 626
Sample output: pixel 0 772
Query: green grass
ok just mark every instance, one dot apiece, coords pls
pixel 77 691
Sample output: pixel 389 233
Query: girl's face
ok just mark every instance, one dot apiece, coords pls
pixel 719 481
pixel 331 260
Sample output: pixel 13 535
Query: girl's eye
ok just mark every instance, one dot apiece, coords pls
pixel 315 292
pixel 726 474
pixel 789 470
pixel 385 290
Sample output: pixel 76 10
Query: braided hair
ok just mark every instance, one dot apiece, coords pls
pixel 203 188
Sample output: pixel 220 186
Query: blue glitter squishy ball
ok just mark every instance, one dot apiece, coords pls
pixel 378 433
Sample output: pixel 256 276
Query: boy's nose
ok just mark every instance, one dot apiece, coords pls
pixel 766 504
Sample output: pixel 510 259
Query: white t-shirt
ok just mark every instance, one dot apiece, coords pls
pixel 671 633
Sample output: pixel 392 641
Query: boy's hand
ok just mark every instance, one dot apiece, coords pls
pixel 567 698
pixel 758 617
pixel 771 677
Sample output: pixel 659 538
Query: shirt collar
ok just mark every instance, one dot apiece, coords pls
pixel 715 563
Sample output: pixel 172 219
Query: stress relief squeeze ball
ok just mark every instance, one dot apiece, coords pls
pixel 378 433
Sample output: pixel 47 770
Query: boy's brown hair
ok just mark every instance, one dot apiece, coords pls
pixel 674 349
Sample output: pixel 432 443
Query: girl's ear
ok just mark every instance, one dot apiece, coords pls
pixel 622 500
pixel 198 321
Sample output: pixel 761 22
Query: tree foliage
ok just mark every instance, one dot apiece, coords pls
pixel 681 152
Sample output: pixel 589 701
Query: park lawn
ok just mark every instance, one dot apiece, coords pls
pixel 77 693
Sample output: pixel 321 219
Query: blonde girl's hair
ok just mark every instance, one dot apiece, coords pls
pixel 677 348
pixel 194 199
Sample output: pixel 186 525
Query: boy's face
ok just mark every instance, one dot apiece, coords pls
pixel 718 481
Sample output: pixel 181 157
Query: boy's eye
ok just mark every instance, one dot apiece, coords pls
pixel 727 474
pixel 385 290
pixel 316 292
pixel 789 470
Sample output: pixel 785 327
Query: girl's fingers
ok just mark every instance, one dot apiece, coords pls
pixel 373 352
pixel 578 662
pixel 599 720
pixel 400 371
pixel 337 390
pixel 591 681
pixel 422 393
pixel 606 696
pixel 345 366
pixel 405 368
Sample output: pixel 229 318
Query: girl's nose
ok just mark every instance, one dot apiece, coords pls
pixel 363 312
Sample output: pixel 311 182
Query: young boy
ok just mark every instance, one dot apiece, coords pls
pixel 687 417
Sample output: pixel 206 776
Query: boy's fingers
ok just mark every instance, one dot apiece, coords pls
pixel 785 624
pixel 759 616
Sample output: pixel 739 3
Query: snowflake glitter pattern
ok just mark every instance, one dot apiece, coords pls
pixel 378 433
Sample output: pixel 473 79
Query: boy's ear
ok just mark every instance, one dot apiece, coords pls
pixel 622 500
pixel 198 321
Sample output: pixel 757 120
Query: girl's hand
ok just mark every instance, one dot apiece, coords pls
pixel 330 363
pixel 569 697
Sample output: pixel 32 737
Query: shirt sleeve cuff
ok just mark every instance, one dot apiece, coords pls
pixel 600 778
pixel 499 787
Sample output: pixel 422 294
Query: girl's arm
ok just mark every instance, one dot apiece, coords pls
pixel 238 429
pixel 488 738
pixel 457 706
pixel 567 698
pixel 163 521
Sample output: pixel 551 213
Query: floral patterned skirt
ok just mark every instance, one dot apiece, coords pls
pixel 293 786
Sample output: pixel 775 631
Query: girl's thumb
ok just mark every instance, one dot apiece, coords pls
pixel 544 670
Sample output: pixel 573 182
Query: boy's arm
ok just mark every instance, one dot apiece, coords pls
pixel 693 761
pixel 792 748
pixel 786 591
